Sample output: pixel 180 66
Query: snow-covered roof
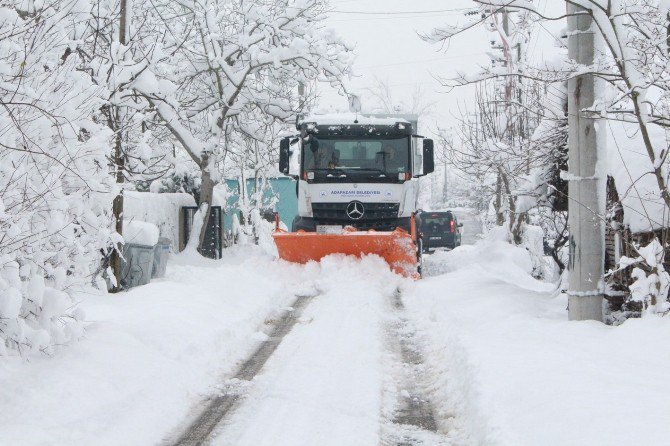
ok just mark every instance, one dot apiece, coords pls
pixel 632 170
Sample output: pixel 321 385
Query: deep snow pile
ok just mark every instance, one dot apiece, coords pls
pixel 148 355
pixel 510 369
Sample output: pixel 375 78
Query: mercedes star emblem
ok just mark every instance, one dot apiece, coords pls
pixel 355 210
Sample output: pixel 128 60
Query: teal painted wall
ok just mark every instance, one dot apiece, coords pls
pixel 282 188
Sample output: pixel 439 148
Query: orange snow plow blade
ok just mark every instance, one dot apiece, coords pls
pixel 397 248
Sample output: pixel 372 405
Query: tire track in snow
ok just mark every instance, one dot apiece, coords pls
pixel 324 384
pixel 414 421
pixel 199 431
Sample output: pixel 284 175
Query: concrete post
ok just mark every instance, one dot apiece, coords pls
pixel 586 228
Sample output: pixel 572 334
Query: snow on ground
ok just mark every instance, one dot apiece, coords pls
pixel 324 384
pixel 148 355
pixel 510 369
pixel 504 366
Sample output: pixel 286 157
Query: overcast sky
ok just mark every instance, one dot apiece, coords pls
pixel 388 47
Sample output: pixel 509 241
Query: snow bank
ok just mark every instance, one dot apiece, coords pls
pixel 509 368
pixel 509 264
pixel 160 209
pixel 149 355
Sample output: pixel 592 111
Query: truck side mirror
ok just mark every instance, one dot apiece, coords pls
pixel 284 155
pixel 428 156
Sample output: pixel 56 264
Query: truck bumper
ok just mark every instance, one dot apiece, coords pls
pixel 309 224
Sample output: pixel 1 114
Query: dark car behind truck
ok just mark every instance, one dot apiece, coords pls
pixel 439 230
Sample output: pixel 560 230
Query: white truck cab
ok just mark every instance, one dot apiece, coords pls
pixel 356 170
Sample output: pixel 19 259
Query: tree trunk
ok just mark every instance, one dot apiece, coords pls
pixel 518 227
pixel 556 252
pixel 117 205
pixel 119 162
pixel 500 217
pixel 516 221
pixel 206 197
pixel 117 211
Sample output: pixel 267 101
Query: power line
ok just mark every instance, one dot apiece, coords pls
pixel 403 84
pixel 400 12
pixel 421 61
pixel 422 16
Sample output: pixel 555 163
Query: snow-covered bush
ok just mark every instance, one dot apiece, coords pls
pixel 184 179
pixel 238 233
pixel 533 240
pixel 651 281
pixel 54 191
pixel 263 230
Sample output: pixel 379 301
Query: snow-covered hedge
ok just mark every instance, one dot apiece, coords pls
pixel 160 209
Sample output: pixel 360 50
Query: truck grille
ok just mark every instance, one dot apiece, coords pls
pixel 378 216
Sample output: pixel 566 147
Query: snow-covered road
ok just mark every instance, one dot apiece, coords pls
pixel 472 225
pixel 350 372
pixel 478 353
pixel 324 384
pixel 148 355
pixel 155 357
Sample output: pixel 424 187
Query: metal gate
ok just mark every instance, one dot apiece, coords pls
pixel 213 239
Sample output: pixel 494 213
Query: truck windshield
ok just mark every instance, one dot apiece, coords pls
pixel 385 157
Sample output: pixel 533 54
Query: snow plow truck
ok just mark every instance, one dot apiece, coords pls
pixel 357 186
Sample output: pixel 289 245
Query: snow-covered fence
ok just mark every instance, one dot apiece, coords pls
pixel 163 210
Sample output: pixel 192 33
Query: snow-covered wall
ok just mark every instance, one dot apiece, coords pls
pixel 159 209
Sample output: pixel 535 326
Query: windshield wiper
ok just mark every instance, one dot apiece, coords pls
pixel 327 169
pixel 373 169
pixel 350 169
pixel 331 171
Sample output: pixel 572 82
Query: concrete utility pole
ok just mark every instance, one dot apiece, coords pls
pixel 585 267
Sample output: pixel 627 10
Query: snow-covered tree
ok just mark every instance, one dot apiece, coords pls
pixel 143 149
pixel 494 137
pixel 214 69
pixel 54 188
pixel 631 67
